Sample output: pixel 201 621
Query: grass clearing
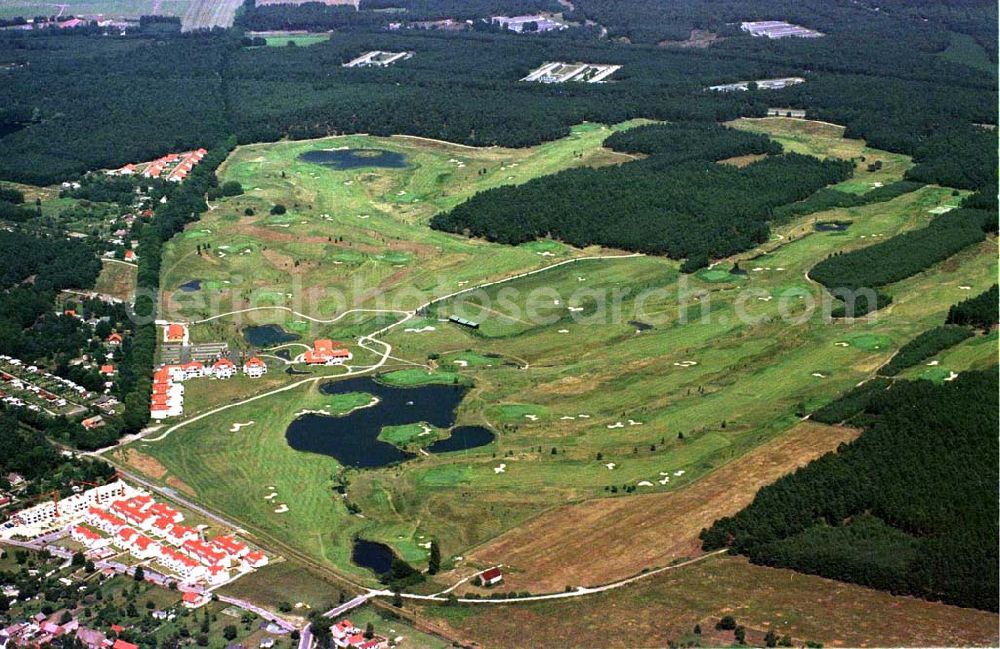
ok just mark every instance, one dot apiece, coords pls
pixel 299 40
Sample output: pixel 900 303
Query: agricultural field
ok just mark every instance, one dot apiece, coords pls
pixel 131 9
pixel 606 380
pixel 205 14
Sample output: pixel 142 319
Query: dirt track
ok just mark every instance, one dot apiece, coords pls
pixel 607 539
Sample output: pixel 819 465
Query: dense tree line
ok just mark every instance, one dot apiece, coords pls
pixel 80 102
pixel 909 507
pixel 979 311
pixel 924 346
pixel 46 264
pixel 829 198
pixel 900 257
pixel 698 210
pixel 176 91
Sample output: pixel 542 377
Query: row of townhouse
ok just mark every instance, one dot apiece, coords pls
pixel 210 559
pixel 168 395
pixel 67 510
pixel 176 165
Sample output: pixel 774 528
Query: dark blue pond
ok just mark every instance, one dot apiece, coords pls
pixel 462 439
pixel 191 287
pixel 355 158
pixel 268 335
pixel 353 439
pixel 377 557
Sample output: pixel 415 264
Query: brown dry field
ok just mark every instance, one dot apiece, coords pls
pixel 743 160
pixel 607 539
pixel 117 280
pixel 665 608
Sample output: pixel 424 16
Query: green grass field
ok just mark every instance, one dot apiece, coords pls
pixel 300 40
pixel 558 367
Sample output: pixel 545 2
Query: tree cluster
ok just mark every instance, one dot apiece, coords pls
pixel 696 209
pixel 909 507
pixel 900 257
pixel 979 311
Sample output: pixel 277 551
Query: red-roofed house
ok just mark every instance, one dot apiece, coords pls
pixel 343 629
pixel 121 644
pixel 194 600
pixel 254 367
pixel 193 370
pixel 182 565
pixel 327 352
pixel 231 546
pixel 255 559
pixel 88 537
pixel 164 510
pixel 104 521
pixel 90 423
pixel 144 547
pixel 124 537
pixel 115 338
pixel 224 368
pixel 491 576
pixel 130 255
pixel 205 553
pixel 218 574
pixel 180 533
pixel 109 370
pixel 176 333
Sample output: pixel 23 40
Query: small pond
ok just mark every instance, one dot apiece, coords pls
pixel 353 439
pixel 342 159
pixel 832 226
pixel 377 557
pixel 462 439
pixel 190 287
pixel 268 335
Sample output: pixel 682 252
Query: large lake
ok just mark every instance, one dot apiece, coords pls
pixel 353 439
pixel 342 159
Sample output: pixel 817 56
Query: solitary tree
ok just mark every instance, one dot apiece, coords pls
pixel 139 574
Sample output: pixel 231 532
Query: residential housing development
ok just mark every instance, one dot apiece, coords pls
pixel 167 399
pixel 174 166
pixel 117 515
